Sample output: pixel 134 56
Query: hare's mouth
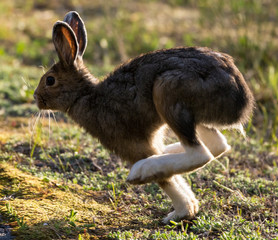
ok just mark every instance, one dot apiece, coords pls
pixel 41 102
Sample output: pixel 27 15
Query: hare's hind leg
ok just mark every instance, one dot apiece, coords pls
pixel 158 167
pixel 213 139
pixel 174 148
pixel 175 160
pixel 199 148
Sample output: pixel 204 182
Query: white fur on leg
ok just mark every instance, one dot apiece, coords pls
pixel 213 139
pixel 184 201
pixel 159 167
pixel 186 188
pixel 174 148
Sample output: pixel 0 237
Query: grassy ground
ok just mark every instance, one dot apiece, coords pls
pixel 65 185
pixel 56 182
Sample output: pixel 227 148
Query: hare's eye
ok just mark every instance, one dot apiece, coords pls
pixel 50 81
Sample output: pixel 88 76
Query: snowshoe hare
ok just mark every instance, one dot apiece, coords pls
pixel 194 91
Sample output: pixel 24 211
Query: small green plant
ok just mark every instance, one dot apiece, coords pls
pixel 115 197
pixel 13 214
pixel 175 225
pixel 21 223
pixel 71 218
pixel 10 209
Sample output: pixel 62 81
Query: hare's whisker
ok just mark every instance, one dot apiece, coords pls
pixel 35 119
pixel 27 83
pixel 38 116
pixel 43 69
pixel 54 117
pixel 49 122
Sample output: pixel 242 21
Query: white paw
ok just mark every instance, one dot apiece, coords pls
pixel 188 211
pixel 144 171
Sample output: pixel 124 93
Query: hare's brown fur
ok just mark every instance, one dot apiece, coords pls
pixel 181 87
pixel 192 90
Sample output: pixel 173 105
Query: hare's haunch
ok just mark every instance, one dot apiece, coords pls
pixel 193 91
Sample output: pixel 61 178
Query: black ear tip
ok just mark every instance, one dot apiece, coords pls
pixel 71 14
pixel 58 24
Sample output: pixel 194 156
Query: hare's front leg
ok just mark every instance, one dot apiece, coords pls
pixel 184 201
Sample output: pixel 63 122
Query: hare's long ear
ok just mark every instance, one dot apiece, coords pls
pixel 65 43
pixel 78 26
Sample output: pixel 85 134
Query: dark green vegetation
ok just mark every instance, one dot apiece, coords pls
pixel 56 182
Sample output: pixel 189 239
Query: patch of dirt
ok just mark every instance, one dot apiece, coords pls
pixel 5 231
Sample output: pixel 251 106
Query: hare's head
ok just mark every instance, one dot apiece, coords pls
pixel 62 84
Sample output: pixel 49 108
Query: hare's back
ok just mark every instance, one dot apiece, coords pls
pixel 207 84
